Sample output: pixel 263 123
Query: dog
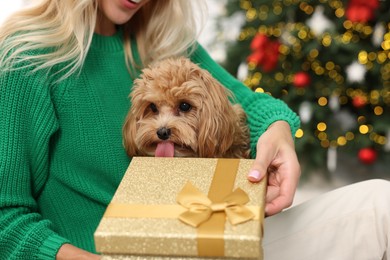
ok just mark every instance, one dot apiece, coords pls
pixel 179 110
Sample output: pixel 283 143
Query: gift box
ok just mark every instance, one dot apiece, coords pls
pixel 184 208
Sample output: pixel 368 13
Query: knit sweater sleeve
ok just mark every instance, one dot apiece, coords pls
pixel 262 110
pixel 27 122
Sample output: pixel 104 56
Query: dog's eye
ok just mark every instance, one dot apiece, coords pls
pixel 153 107
pixel 184 107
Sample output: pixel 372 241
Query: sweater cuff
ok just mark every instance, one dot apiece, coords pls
pixel 259 122
pixel 50 247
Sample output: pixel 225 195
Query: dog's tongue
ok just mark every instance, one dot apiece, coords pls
pixel 165 149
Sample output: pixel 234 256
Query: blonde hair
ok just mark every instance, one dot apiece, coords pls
pixel 59 33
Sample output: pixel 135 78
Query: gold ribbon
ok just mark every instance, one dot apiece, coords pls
pixel 210 233
pixel 124 210
pixel 200 207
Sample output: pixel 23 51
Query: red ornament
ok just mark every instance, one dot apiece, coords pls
pixel 367 155
pixel 359 101
pixel 361 10
pixel 265 53
pixel 259 41
pixel 301 79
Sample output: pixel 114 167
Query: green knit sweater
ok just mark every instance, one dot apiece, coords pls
pixel 61 154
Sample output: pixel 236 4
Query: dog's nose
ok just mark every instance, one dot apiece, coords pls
pixel 163 133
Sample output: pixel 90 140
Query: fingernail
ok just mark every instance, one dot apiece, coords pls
pixel 254 175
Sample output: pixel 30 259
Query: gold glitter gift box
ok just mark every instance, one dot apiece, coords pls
pixel 184 208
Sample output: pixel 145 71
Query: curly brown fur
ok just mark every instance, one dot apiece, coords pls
pixel 176 103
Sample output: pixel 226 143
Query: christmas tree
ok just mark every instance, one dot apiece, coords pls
pixel 329 61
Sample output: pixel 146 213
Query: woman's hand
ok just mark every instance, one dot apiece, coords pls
pixel 70 252
pixel 276 156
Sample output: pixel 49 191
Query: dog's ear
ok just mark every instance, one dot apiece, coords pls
pixel 129 129
pixel 219 121
pixel 128 133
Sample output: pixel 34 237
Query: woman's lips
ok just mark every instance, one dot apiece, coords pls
pixel 131 4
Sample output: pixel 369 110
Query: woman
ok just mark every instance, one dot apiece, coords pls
pixel 67 69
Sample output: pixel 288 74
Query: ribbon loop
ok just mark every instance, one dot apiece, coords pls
pixel 200 207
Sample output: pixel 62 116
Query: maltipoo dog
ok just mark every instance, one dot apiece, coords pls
pixel 179 110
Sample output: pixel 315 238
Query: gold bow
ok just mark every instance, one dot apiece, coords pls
pixel 200 207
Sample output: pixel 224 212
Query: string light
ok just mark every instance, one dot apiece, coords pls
pixel 321 126
pixel 378 110
pixel 322 101
pixel 341 141
pixel 363 129
pixel 299 133
pixel 349 136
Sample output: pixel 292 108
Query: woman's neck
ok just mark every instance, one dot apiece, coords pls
pixel 104 26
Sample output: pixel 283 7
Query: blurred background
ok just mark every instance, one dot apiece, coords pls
pixel 328 60
pixel 9 6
